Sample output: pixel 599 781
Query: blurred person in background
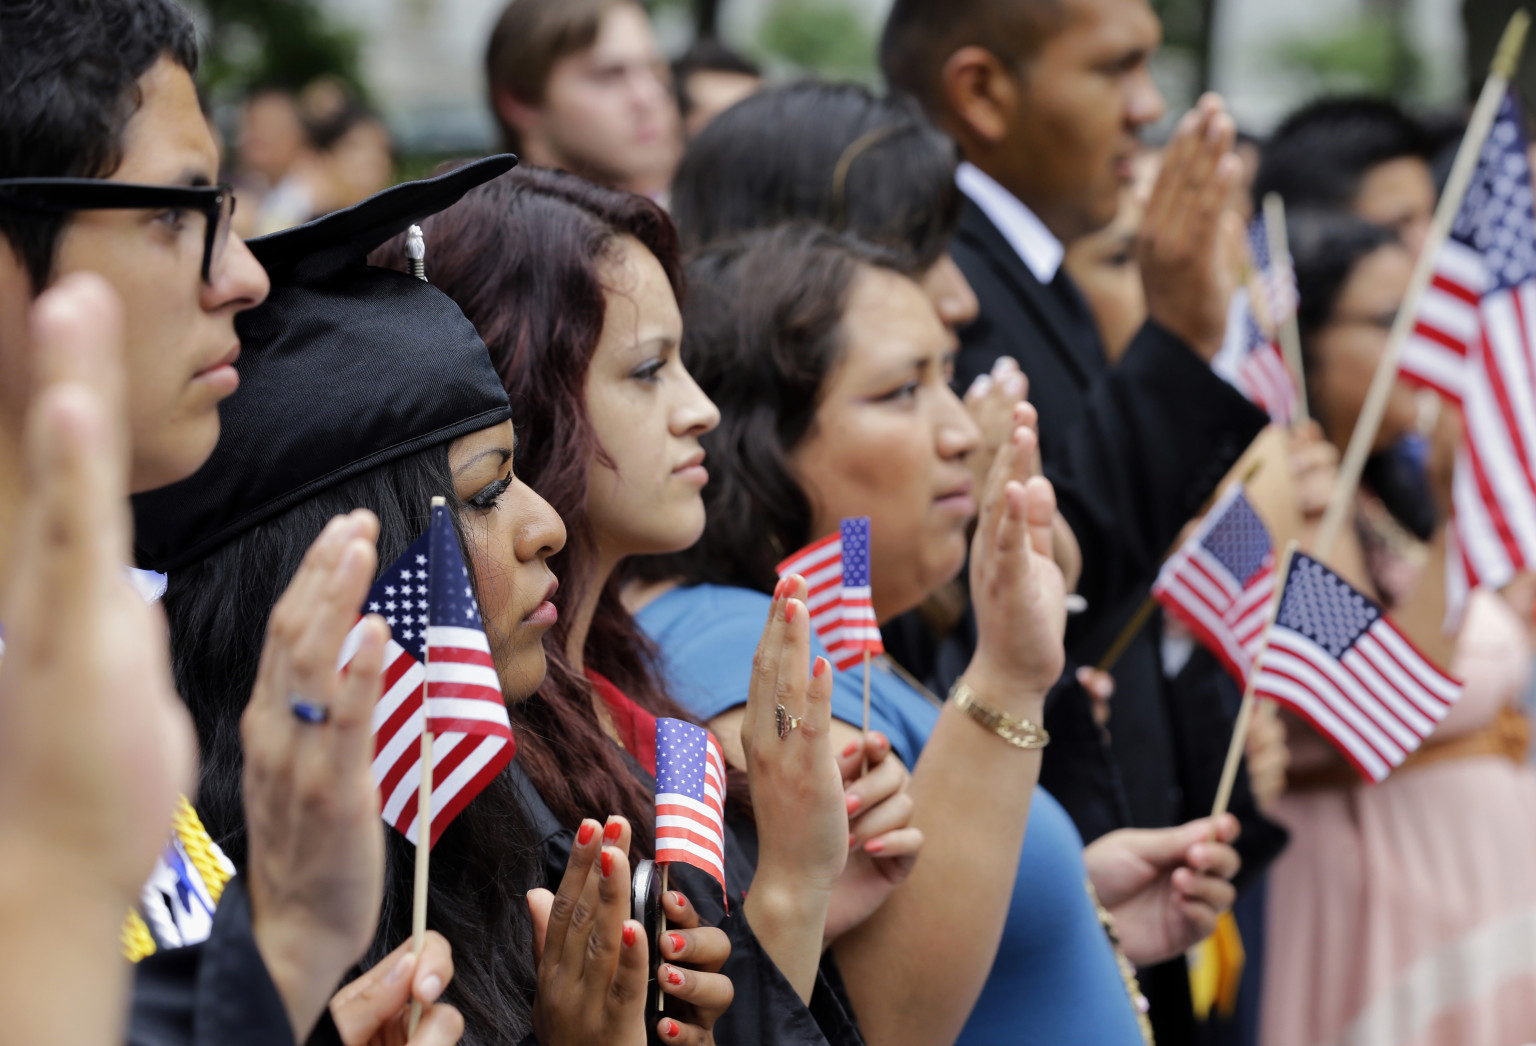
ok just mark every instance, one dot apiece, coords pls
pixel 1106 269
pixel 271 139
pixel 709 78
pixel 580 85
pixel 345 157
pixel 1361 154
pixel 1403 912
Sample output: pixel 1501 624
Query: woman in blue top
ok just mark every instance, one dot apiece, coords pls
pixel 831 373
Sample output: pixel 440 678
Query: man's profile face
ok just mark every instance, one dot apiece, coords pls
pixel 1399 194
pixel 1086 94
pixel 179 331
pixel 608 110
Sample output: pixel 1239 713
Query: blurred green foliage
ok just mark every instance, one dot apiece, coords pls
pixel 1371 55
pixel 825 36
pixel 287 43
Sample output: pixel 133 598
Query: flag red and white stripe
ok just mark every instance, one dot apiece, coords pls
pixel 1336 660
pixel 690 797
pixel 1474 342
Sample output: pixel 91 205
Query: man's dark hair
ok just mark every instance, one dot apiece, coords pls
pixel 69 72
pixel 1321 153
pixel 708 55
pixel 920 35
pixel 835 154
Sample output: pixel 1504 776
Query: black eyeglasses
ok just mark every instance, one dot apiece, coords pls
pixel 216 202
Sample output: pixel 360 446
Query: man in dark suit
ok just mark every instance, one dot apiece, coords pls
pixel 1046 99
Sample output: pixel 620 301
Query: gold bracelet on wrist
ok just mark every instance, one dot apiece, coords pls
pixel 1020 733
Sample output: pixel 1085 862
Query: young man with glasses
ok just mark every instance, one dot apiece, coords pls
pixel 107 165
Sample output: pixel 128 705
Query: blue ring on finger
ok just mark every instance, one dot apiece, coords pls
pixel 307 711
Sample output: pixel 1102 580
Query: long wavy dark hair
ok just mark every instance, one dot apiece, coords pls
pixel 484 862
pixel 523 257
pixel 832 153
pixel 762 329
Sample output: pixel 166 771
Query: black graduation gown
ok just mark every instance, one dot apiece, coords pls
pixel 216 993
pixel 766 1008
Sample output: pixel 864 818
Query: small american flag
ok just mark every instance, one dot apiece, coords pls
pixel 1221 580
pixel 1474 342
pixel 1270 300
pixel 690 797
pixel 437 650
pixel 836 572
pixel 1335 660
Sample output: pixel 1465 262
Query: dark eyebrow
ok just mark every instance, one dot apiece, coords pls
pixel 504 453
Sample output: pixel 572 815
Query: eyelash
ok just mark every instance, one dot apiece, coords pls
pixel 649 371
pixel 905 392
pixel 490 497
pixel 173 218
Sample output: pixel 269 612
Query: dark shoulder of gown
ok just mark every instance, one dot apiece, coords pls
pixel 766 1011
pixel 215 993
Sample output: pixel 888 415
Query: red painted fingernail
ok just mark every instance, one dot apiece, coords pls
pixel 778 590
pixel 611 832
pixel 670 1027
pixel 629 936
pixel 682 902
pixel 606 860
pixel 789 611
pixel 874 846
pixel 584 834
pixel 852 748
pixel 673 977
pixel 854 802
pixel 677 943
pixel 853 840
pixel 820 668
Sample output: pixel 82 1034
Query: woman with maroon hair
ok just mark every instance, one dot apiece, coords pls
pixel 575 290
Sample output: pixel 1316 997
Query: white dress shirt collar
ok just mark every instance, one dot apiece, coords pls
pixel 1025 232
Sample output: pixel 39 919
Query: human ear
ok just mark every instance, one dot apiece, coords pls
pixel 980 95
pixel 520 116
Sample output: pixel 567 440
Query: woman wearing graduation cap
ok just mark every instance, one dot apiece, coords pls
pixel 362 388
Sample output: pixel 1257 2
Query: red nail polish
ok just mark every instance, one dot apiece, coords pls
pixel 853 840
pixel 629 936
pixel 673 977
pixel 874 846
pixel 611 832
pixel 677 943
pixel 852 748
pixel 778 590
pixel 670 1027
pixel 789 612
pixel 584 834
pixel 820 668
pixel 854 802
pixel 682 902
pixel 606 860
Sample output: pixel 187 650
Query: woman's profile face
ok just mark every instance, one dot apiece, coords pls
pixel 511 532
pixel 644 486
pixel 889 442
pixel 1348 347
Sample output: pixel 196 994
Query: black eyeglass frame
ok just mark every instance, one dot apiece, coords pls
pixel 217 202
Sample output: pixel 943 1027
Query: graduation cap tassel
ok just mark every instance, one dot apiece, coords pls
pixel 416 251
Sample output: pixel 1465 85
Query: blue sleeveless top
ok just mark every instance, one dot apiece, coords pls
pixel 1055 979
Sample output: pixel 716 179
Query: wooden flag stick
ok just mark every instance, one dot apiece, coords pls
pixel 661 996
pixel 1139 619
pixel 1289 331
pixel 1245 710
pixel 423 825
pixel 864 738
pixel 1375 406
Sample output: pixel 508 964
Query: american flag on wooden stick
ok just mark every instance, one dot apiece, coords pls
pixel 1220 581
pixel 1269 299
pixel 836 572
pixel 437 651
pixel 690 797
pixel 1474 342
pixel 1335 660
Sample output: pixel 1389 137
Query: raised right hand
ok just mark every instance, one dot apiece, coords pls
pixel 1016 585
pixel 316 867
pixel 1187 278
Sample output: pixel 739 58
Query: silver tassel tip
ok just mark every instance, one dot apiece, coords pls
pixel 416 251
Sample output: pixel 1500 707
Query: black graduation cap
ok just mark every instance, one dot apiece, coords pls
pixel 344 367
